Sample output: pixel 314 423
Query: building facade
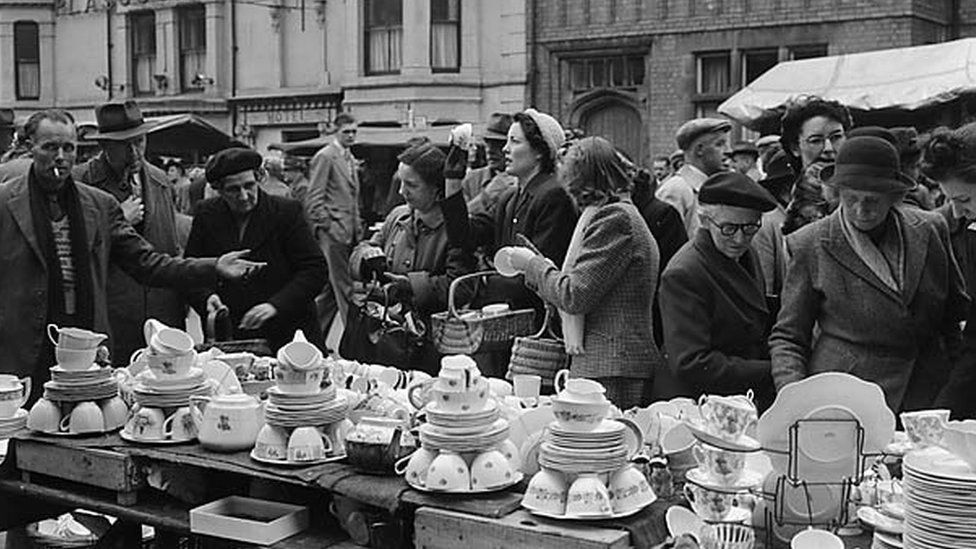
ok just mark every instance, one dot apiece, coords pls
pixel 634 70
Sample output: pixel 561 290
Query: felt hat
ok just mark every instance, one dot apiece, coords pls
pixel 551 129
pixel 231 161
pixel 735 189
pixel 777 168
pixel 693 129
pixel 867 163
pixel 497 127
pixel 119 121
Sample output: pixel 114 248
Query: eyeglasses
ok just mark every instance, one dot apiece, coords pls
pixel 729 229
pixel 819 140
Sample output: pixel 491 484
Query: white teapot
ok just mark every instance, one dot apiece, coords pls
pixel 227 423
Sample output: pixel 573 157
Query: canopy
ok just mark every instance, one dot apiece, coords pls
pixel 185 135
pixel 368 136
pixel 906 79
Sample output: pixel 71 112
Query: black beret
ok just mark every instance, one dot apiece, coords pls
pixel 735 189
pixel 231 161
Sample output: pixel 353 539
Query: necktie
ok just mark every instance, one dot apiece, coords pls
pixel 135 185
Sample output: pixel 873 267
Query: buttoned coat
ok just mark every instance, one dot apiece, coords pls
pixel 612 283
pixel 295 271
pixel 131 303
pixel 24 273
pixel 333 195
pixel 897 340
pixel 716 321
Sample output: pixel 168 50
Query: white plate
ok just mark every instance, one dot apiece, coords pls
pixel 515 480
pixel 940 464
pixel 682 521
pixel 749 480
pixel 879 521
pixel 157 442
pixel 287 463
pixel 743 444
pixel 824 502
pixel 893 541
pixel 584 518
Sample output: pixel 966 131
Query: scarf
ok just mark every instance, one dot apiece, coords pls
pixel 84 315
pixel 891 273
pixel 574 325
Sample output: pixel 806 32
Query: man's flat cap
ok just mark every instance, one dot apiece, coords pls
pixel 735 189
pixel 693 129
pixel 231 161
pixel 745 147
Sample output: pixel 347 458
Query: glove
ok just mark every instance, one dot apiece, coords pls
pixel 456 165
pixel 373 266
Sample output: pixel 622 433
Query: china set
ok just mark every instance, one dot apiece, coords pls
pixel 14 392
pixel 584 458
pixel 465 446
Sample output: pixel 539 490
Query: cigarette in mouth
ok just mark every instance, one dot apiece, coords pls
pixel 57 173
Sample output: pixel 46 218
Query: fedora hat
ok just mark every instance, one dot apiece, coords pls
pixel 497 127
pixel 867 163
pixel 119 121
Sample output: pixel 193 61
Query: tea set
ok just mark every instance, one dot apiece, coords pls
pixel 14 392
pixel 304 421
pixel 465 446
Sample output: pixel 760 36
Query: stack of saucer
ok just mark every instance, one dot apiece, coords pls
pixel 78 402
pixel 601 450
pixel 14 392
pixel 95 383
pixel 162 414
pixel 291 410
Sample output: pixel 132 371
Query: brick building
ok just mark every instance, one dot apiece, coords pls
pixel 634 70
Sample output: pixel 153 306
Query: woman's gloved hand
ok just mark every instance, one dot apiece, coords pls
pixel 456 164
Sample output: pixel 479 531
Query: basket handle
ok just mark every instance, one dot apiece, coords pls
pixel 547 326
pixel 451 310
pixel 213 316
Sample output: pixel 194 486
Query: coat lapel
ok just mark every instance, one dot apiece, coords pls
pixel 837 246
pixel 731 275
pixel 916 251
pixel 19 206
pixel 257 230
pixel 88 210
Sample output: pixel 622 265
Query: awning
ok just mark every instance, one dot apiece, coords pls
pixel 906 79
pixel 178 136
pixel 369 136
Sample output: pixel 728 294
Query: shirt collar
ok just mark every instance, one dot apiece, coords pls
pixel 430 221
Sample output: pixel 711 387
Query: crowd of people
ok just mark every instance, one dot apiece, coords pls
pixel 724 266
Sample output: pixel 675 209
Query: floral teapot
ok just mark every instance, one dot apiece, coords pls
pixel 227 423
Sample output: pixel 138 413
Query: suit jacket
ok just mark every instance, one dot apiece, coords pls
pixel 612 283
pixel 681 191
pixel 277 234
pixel 333 195
pixel 716 321
pixel 770 246
pixel 130 303
pixel 23 278
pixel 897 340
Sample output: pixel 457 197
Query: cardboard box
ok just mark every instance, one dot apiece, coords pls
pixel 249 520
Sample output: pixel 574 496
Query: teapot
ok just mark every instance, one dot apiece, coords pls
pixel 375 444
pixel 227 423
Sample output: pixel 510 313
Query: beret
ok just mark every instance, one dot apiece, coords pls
pixel 735 189
pixel 693 129
pixel 231 161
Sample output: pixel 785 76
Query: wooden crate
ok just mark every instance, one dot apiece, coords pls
pixel 89 466
pixel 439 529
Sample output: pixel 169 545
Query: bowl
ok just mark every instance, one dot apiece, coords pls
pixel 546 492
pixel 960 439
pixel 579 416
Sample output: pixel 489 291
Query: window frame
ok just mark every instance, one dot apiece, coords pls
pixel 20 60
pixel 134 55
pixel 184 17
pixel 457 37
pixel 823 50
pixel 605 64
pixel 368 28
pixel 744 56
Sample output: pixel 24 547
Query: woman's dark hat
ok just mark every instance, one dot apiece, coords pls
pixel 119 122
pixel 867 163
pixel 735 189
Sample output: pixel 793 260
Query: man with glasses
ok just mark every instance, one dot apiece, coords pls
pixel 713 299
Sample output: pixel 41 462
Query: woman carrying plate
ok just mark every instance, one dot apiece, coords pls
pixel 876 282
pixel 950 159
pixel 606 285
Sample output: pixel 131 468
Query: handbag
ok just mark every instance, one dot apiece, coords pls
pixel 218 334
pixel 542 354
pixel 372 334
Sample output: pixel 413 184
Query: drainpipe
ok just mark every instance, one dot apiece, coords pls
pixel 109 46
pixel 233 63
pixel 530 42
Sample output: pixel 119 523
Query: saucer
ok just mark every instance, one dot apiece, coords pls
pixel 748 480
pixel 289 463
pixel 124 435
pixel 516 478
pixel 880 522
pixel 743 444
pixel 19 415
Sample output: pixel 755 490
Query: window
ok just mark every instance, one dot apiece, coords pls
pixel 27 60
pixel 756 62
pixel 384 36
pixel 606 72
pixel 808 52
pixel 445 35
pixel 143 46
pixel 714 73
pixel 192 29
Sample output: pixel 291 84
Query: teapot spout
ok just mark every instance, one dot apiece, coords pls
pixel 300 336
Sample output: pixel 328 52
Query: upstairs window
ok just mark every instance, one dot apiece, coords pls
pixel 192 29
pixel 808 51
pixel 27 60
pixel 619 71
pixel 445 35
pixel 384 36
pixel 143 38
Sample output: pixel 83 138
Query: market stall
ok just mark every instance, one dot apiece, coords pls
pixel 185 136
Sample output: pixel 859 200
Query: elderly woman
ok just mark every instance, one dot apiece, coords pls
pixel 877 281
pixel 950 159
pixel 606 283
pixel 713 297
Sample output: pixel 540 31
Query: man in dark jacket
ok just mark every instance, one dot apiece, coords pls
pixel 280 299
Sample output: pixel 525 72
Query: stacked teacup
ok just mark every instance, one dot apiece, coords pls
pixel 464 444
pixel 163 389
pixel 585 459
pixel 721 451
pixel 305 418
pixel 82 397
pixel 14 392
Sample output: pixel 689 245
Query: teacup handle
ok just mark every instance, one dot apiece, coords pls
pixel 65 424
pixel 699 454
pixel 51 330
pixel 326 440
pixel 750 395
pixel 416 400
pixel 26 385
pixel 400 467
pixel 168 426
pixel 559 382
pixel 689 494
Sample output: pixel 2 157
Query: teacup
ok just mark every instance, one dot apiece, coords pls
pixel 168 366
pixel 419 393
pixel 392 377
pixel 115 413
pixel 86 417
pixel 546 492
pixel 491 469
pixel 272 443
pixel 180 425
pixel 74 338
pixel 415 466
pixel 526 385
pixel 75 359
pixel 14 392
pixel 297 381
pixel 708 504
pixel 579 416
pixel 511 453
pixel 720 465
pixel 44 417
pixel 458 373
pixel 816 539
pixel 727 416
pixel 300 354
pixel 170 341
pixel 146 424
pixel 588 497
pixel 308 444
pixel 629 490
pixel 449 472
pixel 462 401
pixel 925 427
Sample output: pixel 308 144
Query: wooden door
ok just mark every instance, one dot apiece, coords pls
pixel 618 123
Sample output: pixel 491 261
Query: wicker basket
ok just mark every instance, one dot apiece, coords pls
pixel 467 331
pixel 538 354
pixel 727 536
pixel 218 326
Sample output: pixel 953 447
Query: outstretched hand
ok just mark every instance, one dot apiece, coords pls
pixel 231 265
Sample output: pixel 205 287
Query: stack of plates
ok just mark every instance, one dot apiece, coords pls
pixel 478 419
pixel 940 495
pixel 10 425
pixel 464 439
pixel 80 385
pixel 290 410
pixel 601 450
pixel 80 378
pixel 154 392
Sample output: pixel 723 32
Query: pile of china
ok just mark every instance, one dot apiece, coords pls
pixel 585 460
pixel 82 397
pixel 14 392
pixel 304 416
pixel 164 388
pixel 464 444
pixel 721 452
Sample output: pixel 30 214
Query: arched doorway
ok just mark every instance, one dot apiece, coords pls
pixel 617 122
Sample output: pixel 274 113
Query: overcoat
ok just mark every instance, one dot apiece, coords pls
pixel 333 195
pixel 897 340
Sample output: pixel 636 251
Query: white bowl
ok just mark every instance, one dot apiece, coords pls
pixel 960 439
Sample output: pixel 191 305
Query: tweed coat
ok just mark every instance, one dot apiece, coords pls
pixel 333 195
pixel 716 321
pixel 277 234
pixel 897 340
pixel 24 282
pixel 612 283
pixel 131 303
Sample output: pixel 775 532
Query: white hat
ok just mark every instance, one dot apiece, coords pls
pixel 551 130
